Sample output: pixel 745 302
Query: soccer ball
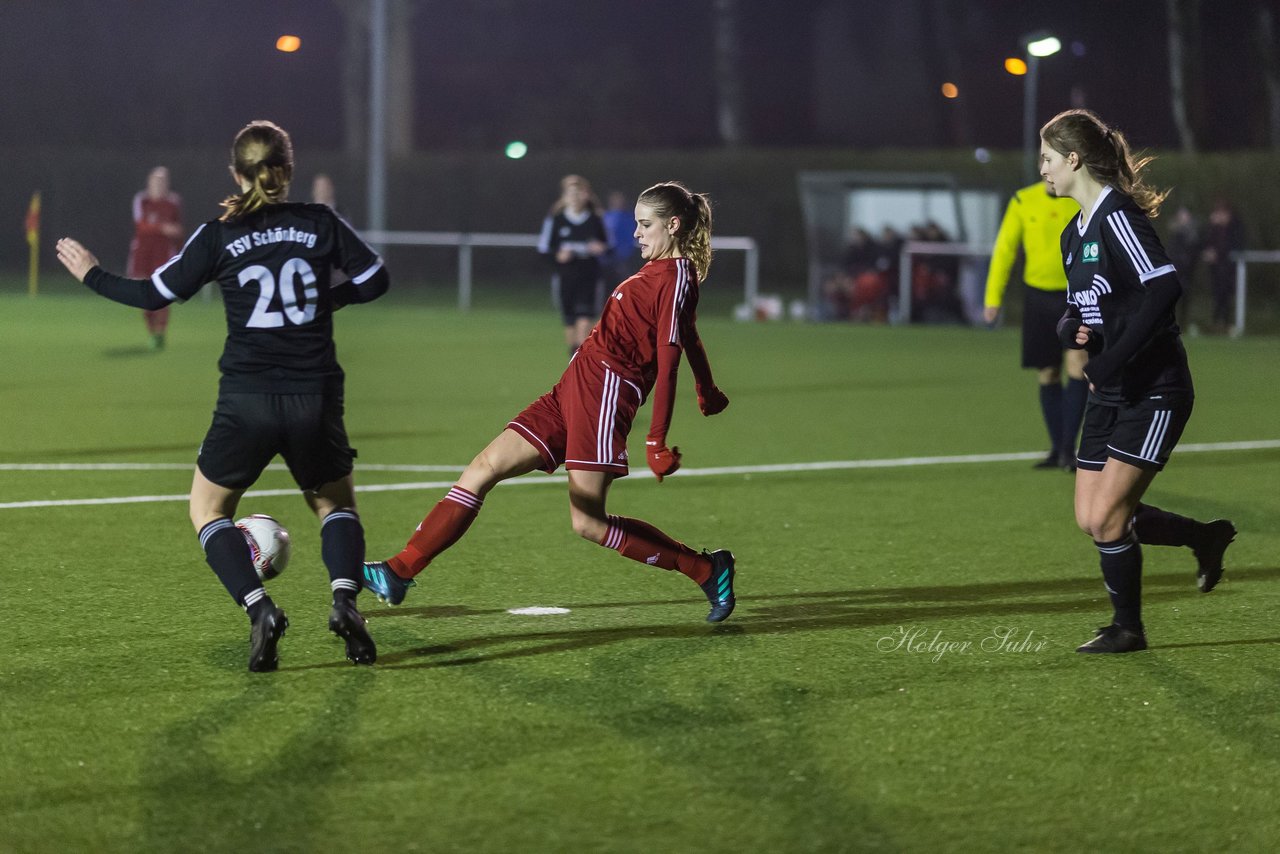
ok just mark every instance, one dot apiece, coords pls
pixel 269 543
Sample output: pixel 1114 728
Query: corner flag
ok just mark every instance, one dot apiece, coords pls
pixel 33 241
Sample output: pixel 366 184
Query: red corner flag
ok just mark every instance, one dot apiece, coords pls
pixel 33 241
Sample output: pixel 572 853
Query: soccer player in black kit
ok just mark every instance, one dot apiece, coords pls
pixel 1120 308
pixel 282 389
pixel 574 237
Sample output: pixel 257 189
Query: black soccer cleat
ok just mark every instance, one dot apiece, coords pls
pixel 1052 461
pixel 1115 638
pixel 264 635
pixel 719 585
pixel 348 623
pixel 1218 534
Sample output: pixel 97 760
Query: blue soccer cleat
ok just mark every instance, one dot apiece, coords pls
pixel 384 583
pixel 719 586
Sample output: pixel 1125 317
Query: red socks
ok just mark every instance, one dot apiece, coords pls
pixel 450 519
pixel 444 526
pixel 642 542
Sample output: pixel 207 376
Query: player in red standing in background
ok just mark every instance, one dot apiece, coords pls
pixel 157 237
pixel 583 422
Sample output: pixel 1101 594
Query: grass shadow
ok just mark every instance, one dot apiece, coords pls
pixel 817 611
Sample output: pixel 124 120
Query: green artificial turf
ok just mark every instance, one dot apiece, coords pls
pixel 899 674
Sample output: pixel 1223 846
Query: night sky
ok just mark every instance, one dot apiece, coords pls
pixel 124 73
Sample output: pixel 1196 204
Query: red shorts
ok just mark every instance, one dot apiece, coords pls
pixel 583 422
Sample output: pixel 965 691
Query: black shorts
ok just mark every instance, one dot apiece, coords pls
pixel 1041 311
pixel 248 430
pixel 579 297
pixel 1140 437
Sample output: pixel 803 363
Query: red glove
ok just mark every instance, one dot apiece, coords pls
pixel 662 460
pixel 711 400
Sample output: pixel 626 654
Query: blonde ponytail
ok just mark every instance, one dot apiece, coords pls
pixel 262 155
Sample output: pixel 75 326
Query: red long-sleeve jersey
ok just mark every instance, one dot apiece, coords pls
pixel 647 322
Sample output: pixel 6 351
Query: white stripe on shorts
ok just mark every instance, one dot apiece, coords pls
pixel 604 423
pixel 1155 435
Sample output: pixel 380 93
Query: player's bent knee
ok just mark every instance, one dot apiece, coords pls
pixel 588 527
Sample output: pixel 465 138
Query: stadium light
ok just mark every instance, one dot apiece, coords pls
pixel 288 44
pixel 1037 45
pixel 949 90
pixel 1047 46
pixel 1015 65
pixel 516 149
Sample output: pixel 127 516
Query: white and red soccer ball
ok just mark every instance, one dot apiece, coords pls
pixel 268 543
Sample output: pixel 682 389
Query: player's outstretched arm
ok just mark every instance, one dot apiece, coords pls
pixel 82 264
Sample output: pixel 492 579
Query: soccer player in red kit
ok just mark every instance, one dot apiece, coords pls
pixel 157 237
pixel 633 352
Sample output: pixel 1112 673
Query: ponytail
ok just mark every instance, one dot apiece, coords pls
pixel 1105 152
pixel 262 155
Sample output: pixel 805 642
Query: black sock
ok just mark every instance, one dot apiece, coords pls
pixel 342 549
pixel 1051 408
pixel 1121 562
pixel 227 553
pixel 1158 527
pixel 1074 399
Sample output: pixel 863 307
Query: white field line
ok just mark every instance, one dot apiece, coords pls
pixel 836 465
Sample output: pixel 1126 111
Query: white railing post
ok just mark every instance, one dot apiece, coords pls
pixel 464 274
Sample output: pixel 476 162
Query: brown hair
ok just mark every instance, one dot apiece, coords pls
pixel 1105 153
pixel 673 199
pixel 262 155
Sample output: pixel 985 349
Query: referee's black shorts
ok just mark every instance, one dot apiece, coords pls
pixel 1041 311
pixel 249 429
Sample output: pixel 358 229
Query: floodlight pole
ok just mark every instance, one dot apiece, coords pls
pixel 1030 139
pixel 377 164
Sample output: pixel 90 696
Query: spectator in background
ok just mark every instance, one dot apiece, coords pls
pixel 573 237
pixel 620 225
pixel 889 257
pixel 1033 223
pixel 935 294
pixel 323 192
pixel 157 237
pixel 867 288
pixel 1185 246
pixel 1224 236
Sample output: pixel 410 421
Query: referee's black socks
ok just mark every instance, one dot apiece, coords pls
pixel 1051 408
pixel 1121 562
pixel 227 552
pixel 342 549
pixel 1074 398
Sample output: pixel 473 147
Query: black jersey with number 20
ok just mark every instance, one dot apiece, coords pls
pixel 274 268
pixel 1112 256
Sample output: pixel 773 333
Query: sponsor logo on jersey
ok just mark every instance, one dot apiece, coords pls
pixel 1089 253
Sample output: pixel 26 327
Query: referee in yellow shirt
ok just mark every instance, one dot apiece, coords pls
pixel 1034 222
